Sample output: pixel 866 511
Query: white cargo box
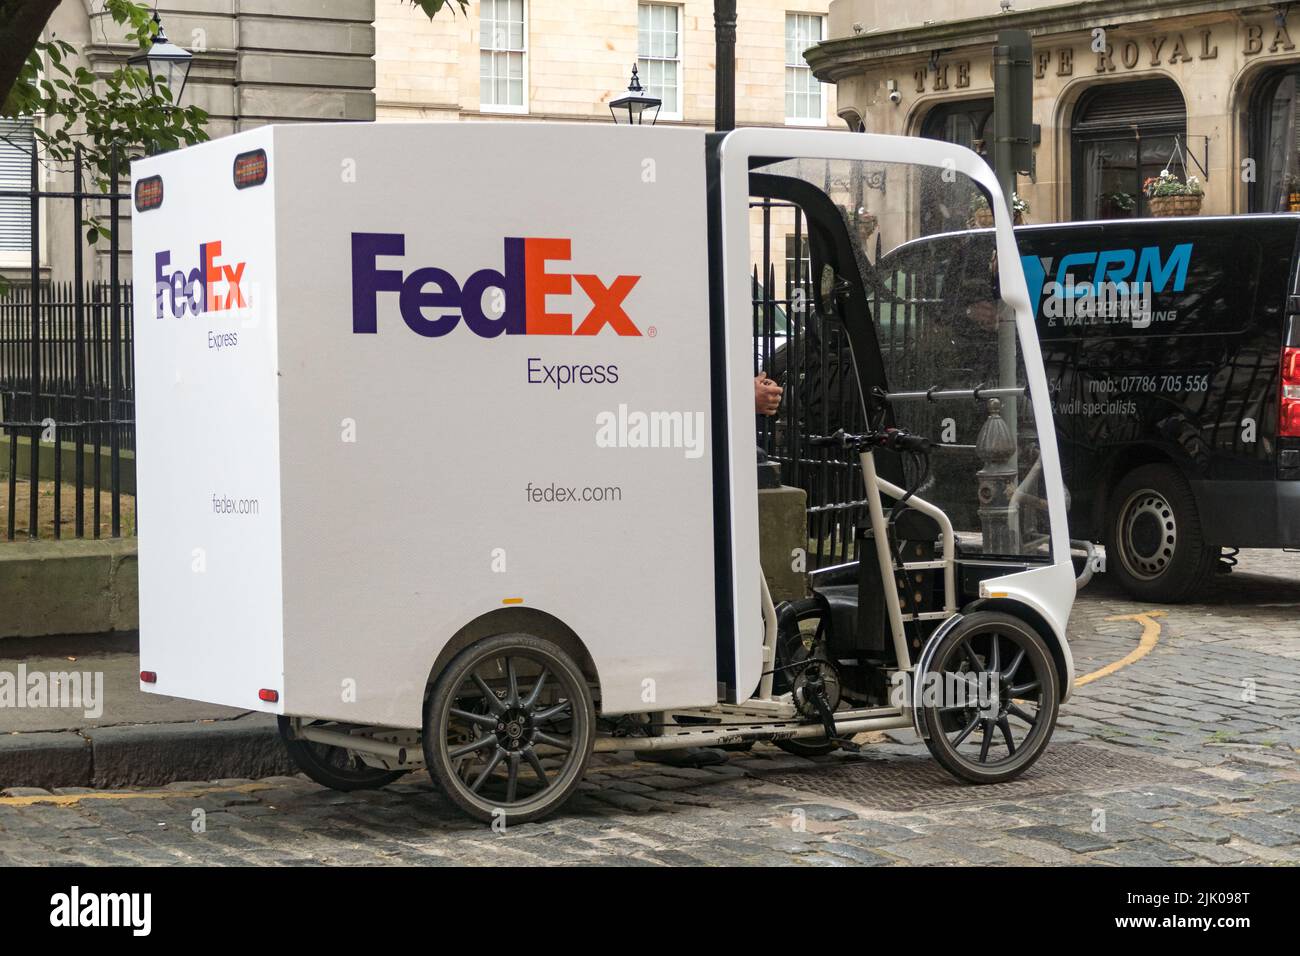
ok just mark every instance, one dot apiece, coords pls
pixel 420 376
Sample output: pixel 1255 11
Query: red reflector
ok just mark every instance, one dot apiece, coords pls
pixel 1288 425
pixel 148 193
pixel 148 677
pixel 270 696
pixel 250 169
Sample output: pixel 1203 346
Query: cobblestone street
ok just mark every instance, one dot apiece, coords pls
pixel 1188 753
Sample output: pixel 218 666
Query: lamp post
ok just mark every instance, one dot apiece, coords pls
pixel 724 74
pixel 167 64
pixel 630 109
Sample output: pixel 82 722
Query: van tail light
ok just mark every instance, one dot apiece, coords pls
pixel 268 695
pixel 1289 407
pixel 148 677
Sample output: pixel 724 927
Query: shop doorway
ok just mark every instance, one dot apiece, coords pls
pixel 1122 135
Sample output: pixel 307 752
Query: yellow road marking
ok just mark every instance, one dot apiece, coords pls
pixel 1150 634
pixel 67 800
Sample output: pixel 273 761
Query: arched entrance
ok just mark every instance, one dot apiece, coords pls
pixel 1273 129
pixel 1121 135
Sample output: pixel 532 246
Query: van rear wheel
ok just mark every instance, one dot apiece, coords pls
pixel 508 728
pixel 1155 547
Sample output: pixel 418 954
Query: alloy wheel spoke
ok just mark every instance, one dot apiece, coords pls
pixel 512 777
pixel 552 741
pixel 535 762
pixel 531 700
pixel 1016 661
pixel 995 658
pixel 472 747
pixel 988 739
pixel 482 720
pixel 970 655
pixel 1023 689
pixel 512 682
pixel 967 732
pixel 487 770
pixel 1017 711
pixel 489 694
pixel 1005 726
pixel 552 712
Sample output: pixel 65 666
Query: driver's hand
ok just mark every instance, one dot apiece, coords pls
pixel 767 395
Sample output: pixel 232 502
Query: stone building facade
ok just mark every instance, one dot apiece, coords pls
pixel 1121 90
pixel 565 60
pixel 255 62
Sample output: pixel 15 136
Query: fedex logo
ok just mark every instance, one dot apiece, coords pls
pixel 432 302
pixel 211 286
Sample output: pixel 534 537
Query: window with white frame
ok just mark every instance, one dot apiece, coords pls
pixel 503 56
pixel 17 140
pixel 805 103
pixel 659 55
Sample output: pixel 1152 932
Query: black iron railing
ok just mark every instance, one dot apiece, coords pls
pixel 67 412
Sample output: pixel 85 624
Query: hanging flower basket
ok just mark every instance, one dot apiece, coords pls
pixel 1170 196
pixel 1187 205
pixel 982 218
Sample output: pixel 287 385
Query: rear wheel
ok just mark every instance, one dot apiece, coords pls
pixel 509 727
pixel 335 767
pixel 990 698
pixel 1155 547
pixel 793 648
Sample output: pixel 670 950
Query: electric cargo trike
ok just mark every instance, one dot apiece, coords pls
pixel 446 452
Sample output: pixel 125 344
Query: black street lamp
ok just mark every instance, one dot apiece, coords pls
pixel 630 110
pixel 168 64
pixel 724 56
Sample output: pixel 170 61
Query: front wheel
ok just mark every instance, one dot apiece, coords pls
pixel 335 767
pixel 1155 547
pixel 990 698
pixel 508 728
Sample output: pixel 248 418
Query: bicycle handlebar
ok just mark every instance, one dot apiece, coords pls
pixel 894 438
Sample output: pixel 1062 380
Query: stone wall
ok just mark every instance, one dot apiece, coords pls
pixel 1215 52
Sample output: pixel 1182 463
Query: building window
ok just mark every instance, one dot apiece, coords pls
pixel 1273 115
pixel 503 56
pixel 17 141
pixel 1122 135
pixel 966 123
pixel 798 265
pixel 659 56
pixel 804 103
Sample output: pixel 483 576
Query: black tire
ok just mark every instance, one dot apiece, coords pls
pixel 1155 547
pixel 807 609
pixel 334 767
pixel 502 710
pixel 808 746
pixel 996 644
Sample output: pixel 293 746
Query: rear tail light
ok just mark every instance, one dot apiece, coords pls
pixel 148 193
pixel 250 169
pixel 148 677
pixel 270 696
pixel 1289 407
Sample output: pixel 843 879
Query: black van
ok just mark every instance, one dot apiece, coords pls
pixel 1172 350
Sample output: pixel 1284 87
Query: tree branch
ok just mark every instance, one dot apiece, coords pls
pixel 21 23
